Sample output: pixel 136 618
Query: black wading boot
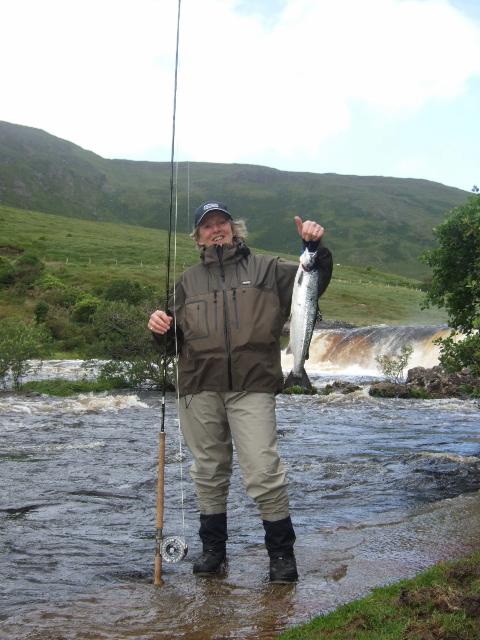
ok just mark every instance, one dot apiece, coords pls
pixel 279 540
pixel 213 533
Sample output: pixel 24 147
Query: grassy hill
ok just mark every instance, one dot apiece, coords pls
pixel 384 223
pixel 87 256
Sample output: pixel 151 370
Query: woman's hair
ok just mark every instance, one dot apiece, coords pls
pixel 239 229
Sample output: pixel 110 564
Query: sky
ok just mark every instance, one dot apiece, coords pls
pixel 362 87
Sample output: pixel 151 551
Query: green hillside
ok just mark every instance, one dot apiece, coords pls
pixel 378 222
pixel 87 256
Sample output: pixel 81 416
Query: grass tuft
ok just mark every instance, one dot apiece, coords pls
pixel 64 388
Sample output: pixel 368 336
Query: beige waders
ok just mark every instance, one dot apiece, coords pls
pixel 212 422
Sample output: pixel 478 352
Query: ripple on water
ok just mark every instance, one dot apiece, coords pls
pixel 368 482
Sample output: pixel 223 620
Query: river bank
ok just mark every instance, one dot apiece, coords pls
pixel 442 603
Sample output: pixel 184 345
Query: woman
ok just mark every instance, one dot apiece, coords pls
pixel 229 310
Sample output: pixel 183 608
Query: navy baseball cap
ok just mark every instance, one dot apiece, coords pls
pixel 208 207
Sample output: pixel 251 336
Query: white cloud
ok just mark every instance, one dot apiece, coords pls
pixel 289 88
pixel 100 73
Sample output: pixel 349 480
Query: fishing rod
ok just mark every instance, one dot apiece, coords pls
pixel 172 548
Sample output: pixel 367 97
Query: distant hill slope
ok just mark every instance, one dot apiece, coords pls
pixel 87 256
pixel 371 221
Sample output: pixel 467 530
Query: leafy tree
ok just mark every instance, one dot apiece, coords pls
pixel 393 367
pixel 455 283
pixel 455 355
pixel 20 343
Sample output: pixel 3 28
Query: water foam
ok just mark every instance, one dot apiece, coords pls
pixel 83 403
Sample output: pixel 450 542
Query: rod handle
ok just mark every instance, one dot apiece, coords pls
pixel 157 576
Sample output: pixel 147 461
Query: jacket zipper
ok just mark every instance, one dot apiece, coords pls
pixel 234 297
pixel 225 317
pixel 215 308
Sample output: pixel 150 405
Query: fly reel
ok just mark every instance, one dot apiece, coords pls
pixel 173 549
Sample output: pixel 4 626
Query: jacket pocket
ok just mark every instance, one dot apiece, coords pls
pixel 256 320
pixel 196 320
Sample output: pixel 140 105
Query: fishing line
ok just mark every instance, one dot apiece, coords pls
pixel 179 431
pixel 172 548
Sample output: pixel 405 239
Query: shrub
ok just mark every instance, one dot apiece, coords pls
pixel 85 309
pixel 66 297
pixel 28 268
pixel 127 291
pixel 393 367
pixel 68 336
pixel 49 281
pixel 121 336
pixel 40 311
pixel 60 387
pixel 7 272
pixel 19 344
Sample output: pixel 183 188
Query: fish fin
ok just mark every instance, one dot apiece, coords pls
pixel 302 380
pixel 306 384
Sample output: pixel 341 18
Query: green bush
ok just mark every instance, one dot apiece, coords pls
pixel 65 297
pixel 49 281
pixel 7 272
pixel 60 387
pixel 85 309
pixel 68 335
pixel 127 291
pixel 19 344
pixel 121 336
pixel 28 268
pixel 40 311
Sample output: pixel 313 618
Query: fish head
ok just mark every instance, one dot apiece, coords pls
pixel 308 260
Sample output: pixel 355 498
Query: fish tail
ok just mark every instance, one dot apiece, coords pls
pixel 298 380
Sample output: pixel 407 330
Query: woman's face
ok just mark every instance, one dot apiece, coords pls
pixel 215 228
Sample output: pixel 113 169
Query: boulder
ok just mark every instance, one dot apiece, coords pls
pixel 438 383
pixel 389 390
pixel 340 387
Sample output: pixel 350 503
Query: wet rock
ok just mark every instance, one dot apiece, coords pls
pixel 440 384
pixel 389 390
pixel 430 383
pixel 341 387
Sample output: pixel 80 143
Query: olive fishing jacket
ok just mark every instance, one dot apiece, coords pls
pixel 230 310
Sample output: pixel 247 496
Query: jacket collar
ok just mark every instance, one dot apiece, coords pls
pixel 227 253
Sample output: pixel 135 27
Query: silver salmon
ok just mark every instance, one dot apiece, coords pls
pixel 303 315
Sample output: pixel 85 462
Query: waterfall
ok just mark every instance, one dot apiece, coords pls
pixel 353 350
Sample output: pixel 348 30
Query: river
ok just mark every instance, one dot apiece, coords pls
pixel 380 489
